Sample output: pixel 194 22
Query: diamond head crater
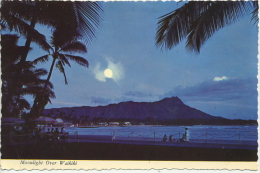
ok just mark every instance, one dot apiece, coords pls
pixel 168 111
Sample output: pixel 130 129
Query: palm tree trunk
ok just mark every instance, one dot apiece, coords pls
pixel 25 53
pixel 50 73
pixel 40 100
pixel 28 41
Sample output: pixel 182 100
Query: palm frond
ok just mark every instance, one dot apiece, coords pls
pixel 51 94
pixel 40 72
pixel 15 24
pixel 49 85
pixel 9 40
pixel 64 60
pixel 41 59
pixel 20 9
pixel 88 18
pixel 27 65
pixel 29 80
pixel 3 25
pixel 23 104
pixel 44 95
pixel 62 70
pixel 254 17
pixel 10 52
pixel 64 35
pixel 40 83
pixel 78 59
pixel 173 27
pixel 48 13
pixel 84 16
pixel 74 47
pixel 34 90
pixel 198 21
pixel 216 16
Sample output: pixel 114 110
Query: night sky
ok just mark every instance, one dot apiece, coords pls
pixel 221 80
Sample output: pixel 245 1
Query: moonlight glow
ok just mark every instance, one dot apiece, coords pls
pixel 108 73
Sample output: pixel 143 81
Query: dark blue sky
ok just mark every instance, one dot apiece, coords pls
pixel 221 80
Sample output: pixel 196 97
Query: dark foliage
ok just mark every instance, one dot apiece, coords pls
pixel 197 21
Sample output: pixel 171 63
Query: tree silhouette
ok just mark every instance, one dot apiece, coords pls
pixel 82 17
pixel 61 46
pixel 199 20
pixel 78 18
pixel 13 102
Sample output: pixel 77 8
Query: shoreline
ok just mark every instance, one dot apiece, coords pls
pixel 161 125
pixel 199 143
pixel 231 144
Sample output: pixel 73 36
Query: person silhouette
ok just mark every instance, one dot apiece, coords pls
pixel 186 136
pixel 165 138
pixel 170 139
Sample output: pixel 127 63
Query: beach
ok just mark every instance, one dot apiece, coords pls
pixel 94 147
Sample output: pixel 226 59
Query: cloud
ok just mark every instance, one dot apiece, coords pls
pixel 220 78
pixel 230 98
pixel 228 89
pixel 116 68
pixel 234 109
pixel 99 74
pixel 100 100
pixel 233 104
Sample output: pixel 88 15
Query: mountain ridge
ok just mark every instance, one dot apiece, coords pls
pixel 166 111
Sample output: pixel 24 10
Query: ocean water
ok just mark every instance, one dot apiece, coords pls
pixel 200 132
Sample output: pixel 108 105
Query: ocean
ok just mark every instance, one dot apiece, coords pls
pixel 244 134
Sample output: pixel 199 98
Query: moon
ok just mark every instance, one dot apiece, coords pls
pixel 108 73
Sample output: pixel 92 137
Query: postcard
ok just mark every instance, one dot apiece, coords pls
pixel 129 85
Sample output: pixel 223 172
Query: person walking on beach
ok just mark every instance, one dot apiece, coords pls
pixel 114 136
pixel 186 136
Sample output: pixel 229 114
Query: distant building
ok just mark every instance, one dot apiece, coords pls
pixel 113 123
pixel 103 124
pixel 126 124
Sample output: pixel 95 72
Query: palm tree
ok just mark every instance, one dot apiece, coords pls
pixel 82 17
pixel 61 46
pixel 198 21
pixel 13 102
pixel 67 17
pixel 13 18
